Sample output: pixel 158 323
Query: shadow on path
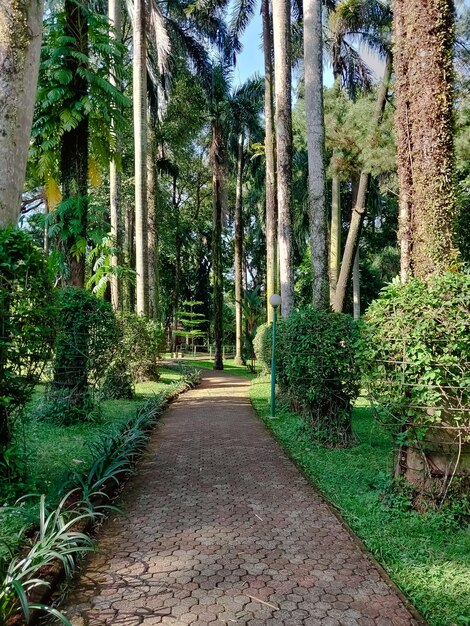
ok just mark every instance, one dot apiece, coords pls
pixel 219 527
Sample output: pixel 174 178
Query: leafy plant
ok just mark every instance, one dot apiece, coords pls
pixel 85 345
pixel 141 343
pixel 414 352
pixel 27 325
pixel 317 372
pixel 55 540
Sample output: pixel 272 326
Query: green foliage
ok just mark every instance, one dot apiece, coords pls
pixel 118 382
pixel 59 108
pixel 414 352
pixel 191 321
pixel 262 345
pixel 27 321
pixel 141 343
pixel 56 540
pixel 317 372
pixel 86 344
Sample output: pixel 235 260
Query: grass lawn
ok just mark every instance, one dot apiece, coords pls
pixel 427 555
pixel 53 451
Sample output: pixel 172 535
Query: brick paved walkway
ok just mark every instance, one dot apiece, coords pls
pixel 221 528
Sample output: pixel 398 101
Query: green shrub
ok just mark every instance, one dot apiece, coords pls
pixel 118 383
pixel 142 341
pixel 27 323
pixel 317 371
pixel 414 351
pixel 263 344
pixel 86 343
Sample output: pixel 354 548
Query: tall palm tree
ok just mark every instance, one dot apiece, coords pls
pixel 114 14
pixel 245 105
pixel 140 154
pixel 20 44
pixel 283 122
pixel 313 68
pixel 270 152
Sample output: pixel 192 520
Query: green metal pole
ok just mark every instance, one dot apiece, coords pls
pixel 273 367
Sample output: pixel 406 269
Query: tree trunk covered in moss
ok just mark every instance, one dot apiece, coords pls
pixel 270 151
pixel 20 44
pixel 74 150
pixel 152 206
pixel 423 63
pixel 283 121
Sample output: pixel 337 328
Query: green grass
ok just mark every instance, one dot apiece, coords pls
pixel 53 451
pixel 427 555
pixel 229 366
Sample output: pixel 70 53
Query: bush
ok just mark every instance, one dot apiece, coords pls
pixel 86 343
pixel 263 344
pixel 27 323
pixel 141 344
pixel 118 383
pixel 317 371
pixel 414 352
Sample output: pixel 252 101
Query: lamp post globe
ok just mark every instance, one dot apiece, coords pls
pixel 275 300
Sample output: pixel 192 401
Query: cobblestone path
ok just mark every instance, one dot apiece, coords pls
pixel 220 528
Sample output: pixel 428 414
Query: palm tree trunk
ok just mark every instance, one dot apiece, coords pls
pixel 176 291
pixel 313 66
pixel 269 145
pixel 152 204
pixel 283 118
pixel 335 235
pixel 114 13
pixel 217 274
pixel 74 150
pixel 359 210
pixel 20 37
pixel 140 142
pixel 424 100
pixel 239 253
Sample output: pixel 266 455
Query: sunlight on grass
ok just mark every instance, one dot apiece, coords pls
pixel 425 554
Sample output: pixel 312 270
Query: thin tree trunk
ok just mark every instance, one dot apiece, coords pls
pixel 129 257
pixel 152 202
pixel 20 45
pixel 217 274
pixel 283 117
pixel 423 59
pixel 356 287
pixel 269 145
pixel 335 235
pixel 176 291
pixel 140 142
pixel 239 253
pixel 114 13
pixel 313 67
pixel 74 150
pixel 359 210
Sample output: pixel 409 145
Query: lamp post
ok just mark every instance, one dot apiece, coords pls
pixel 274 301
